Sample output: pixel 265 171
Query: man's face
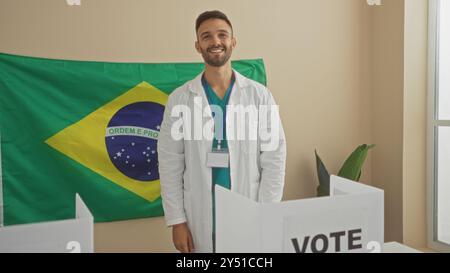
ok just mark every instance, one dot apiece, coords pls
pixel 215 42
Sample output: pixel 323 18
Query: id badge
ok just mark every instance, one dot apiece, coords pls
pixel 218 159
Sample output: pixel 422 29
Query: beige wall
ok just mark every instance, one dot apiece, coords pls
pixel 399 100
pixel 387 109
pixel 334 67
pixel 414 124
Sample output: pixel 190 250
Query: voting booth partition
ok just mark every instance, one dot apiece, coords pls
pixel 351 219
pixel 70 236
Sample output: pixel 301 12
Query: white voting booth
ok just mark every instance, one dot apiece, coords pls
pixel 72 235
pixel 351 219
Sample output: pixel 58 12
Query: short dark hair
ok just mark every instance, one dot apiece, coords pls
pixel 213 14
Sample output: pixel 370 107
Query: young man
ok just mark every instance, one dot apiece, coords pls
pixel 194 158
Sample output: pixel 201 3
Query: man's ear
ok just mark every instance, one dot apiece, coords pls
pixel 233 42
pixel 197 47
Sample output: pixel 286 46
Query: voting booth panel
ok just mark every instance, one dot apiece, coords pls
pixel 351 219
pixel 72 235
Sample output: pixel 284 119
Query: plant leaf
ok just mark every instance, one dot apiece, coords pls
pixel 324 177
pixel 351 169
pixel 359 176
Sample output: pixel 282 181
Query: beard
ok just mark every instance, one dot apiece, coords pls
pixel 216 60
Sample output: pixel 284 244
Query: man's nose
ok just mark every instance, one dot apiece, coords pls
pixel 216 41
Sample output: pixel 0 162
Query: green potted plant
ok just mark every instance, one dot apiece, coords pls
pixel 351 169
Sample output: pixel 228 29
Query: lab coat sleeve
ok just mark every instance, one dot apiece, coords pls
pixel 273 156
pixel 171 168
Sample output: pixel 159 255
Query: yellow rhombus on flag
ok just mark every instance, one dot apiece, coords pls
pixel 84 141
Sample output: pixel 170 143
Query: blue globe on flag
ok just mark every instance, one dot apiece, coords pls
pixel 131 139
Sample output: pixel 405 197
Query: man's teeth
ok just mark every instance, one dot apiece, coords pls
pixel 216 50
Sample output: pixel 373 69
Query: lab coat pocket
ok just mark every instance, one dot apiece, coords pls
pixel 187 204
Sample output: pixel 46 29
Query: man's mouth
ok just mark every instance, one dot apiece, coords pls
pixel 216 50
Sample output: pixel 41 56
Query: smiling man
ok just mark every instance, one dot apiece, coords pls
pixel 191 168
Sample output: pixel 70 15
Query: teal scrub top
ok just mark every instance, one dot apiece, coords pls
pixel 220 176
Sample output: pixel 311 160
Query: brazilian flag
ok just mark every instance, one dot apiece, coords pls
pixel 91 128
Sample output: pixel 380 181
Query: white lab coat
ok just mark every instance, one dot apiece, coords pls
pixel 186 186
